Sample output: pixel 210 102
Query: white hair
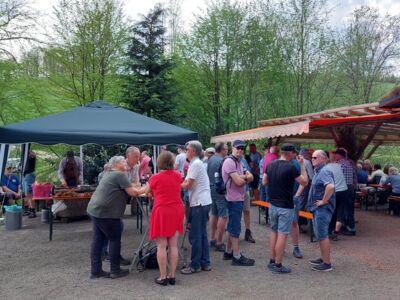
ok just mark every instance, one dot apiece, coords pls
pixel 115 160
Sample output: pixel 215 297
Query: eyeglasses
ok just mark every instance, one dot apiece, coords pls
pixel 240 148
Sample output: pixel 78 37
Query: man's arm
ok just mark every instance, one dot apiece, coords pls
pixel 61 172
pixel 303 178
pixel 80 165
pixel 241 180
pixel 187 184
pixel 265 179
pixel 329 190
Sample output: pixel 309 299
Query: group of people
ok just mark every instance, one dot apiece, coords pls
pixel 388 178
pixel 314 180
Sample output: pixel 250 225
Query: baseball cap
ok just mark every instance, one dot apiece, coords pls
pixel 288 147
pixel 238 143
pixel 210 150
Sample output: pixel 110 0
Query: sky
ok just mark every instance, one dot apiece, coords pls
pixel 190 8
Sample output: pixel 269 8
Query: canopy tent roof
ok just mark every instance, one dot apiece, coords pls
pixel 317 127
pixel 98 123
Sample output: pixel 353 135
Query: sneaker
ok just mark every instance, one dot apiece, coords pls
pixel 190 270
pixel 270 266
pixel 248 237
pixel 220 247
pixel 206 268
pixel 228 256
pixel 212 243
pixel 242 261
pixel 119 273
pixel 99 275
pixel 349 232
pixel 316 262
pixel 323 267
pixel 124 262
pixel 297 253
pixel 282 269
pixel 334 237
pixel 26 213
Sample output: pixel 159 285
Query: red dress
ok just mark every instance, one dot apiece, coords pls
pixel 167 213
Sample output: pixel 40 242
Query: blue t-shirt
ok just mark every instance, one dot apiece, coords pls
pixel 362 177
pixel 246 165
pixel 298 168
pixel 323 176
pixel 11 182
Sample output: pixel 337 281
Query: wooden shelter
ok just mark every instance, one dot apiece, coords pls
pixel 351 127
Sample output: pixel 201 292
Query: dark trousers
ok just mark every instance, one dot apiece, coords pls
pixel 349 208
pixel 198 236
pixel 110 229
pixel 338 215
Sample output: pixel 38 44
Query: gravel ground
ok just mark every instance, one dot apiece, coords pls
pixel 365 266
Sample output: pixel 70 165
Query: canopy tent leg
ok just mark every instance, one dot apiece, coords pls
pixel 373 150
pixel 4 152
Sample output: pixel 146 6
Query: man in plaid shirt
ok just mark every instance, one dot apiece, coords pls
pixel 340 157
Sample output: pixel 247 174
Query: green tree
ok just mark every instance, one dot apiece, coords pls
pixel 83 61
pixel 149 87
pixel 366 51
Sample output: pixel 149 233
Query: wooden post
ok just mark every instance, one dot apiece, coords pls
pixel 334 135
pixel 368 140
pixel 373 150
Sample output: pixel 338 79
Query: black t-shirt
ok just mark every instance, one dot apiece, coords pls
pixel 281 176
pixel 30 165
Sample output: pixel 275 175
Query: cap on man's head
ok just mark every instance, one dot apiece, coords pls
pixel 182 147
pixel 288 147
pixel 70 153
pixel 210 150
pixel 8 165
pixel 238 143
pixel 341 152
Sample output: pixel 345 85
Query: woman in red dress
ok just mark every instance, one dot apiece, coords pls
pixel 166 221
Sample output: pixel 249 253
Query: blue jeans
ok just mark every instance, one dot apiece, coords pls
pixel 27 182
pixel 235 209
pixel 349 208
pixel 321 218
pixel 198 236
pixel 110 229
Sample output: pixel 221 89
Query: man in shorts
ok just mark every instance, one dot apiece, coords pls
pixel 321 201
pixel 235 178
pixel 219 206
pixel 280 176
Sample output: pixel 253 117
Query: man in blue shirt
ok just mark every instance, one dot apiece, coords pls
pixel 10 182
pixel 321 201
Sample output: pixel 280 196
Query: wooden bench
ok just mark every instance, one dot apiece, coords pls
pixel 305 214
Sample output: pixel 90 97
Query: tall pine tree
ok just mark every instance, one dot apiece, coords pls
pixel 149 85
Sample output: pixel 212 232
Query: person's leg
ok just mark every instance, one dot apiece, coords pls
pixel 213 221
pixel 205 255
pixel 294 232
pixel 195 237
pixel 222 212
pixel 273 236
pixel 162 256
pixel 350 223
pixel 221 224
pixel 113 229
pixel 246 218
pixel 173 254
pixel 280 247
pixel 96 246
pixel 325 251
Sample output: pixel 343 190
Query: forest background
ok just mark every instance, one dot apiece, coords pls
pixel 237 63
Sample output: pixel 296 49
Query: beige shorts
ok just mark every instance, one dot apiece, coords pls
pixel 246 203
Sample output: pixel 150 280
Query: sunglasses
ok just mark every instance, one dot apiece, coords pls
pixel 314 157
pixel 240 148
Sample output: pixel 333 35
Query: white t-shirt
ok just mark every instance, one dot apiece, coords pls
pixel 199 193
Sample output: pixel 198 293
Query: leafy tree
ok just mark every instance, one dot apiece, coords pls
pixel 366 51
pixel 85 56
pixel 17 24
pixel 149 87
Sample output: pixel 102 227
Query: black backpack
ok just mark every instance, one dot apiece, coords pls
pixel 220 185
